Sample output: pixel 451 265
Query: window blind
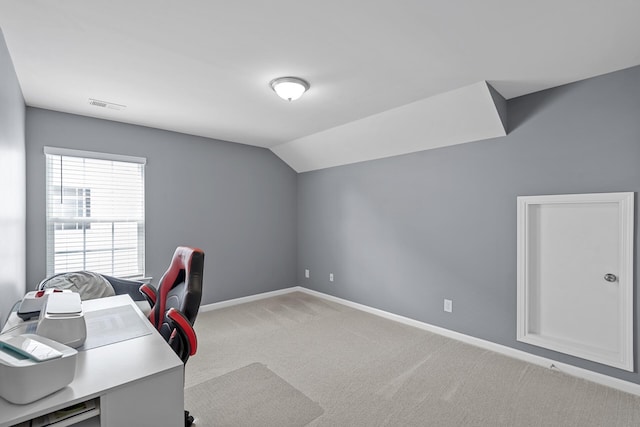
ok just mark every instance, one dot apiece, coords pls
pixel 95 213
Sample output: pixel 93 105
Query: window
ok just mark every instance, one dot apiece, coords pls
pixel 70 202
pixel 95 212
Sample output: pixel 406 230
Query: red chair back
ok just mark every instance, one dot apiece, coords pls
pixel 180 289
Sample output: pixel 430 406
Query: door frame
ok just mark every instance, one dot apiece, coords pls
pixel 621 357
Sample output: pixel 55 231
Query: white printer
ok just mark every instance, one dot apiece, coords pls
pixel 32 367
pixel 35 365
pixel 62 319
pixel 33 302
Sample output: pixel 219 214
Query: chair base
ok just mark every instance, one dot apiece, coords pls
pixel 188 419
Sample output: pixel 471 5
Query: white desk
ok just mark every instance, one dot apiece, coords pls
pixel 139 382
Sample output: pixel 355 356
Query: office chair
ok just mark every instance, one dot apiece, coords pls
pixel 175 303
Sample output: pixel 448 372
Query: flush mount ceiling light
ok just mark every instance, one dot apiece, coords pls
pixel 289 88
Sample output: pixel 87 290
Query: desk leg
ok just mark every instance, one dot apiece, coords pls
pixel 154 401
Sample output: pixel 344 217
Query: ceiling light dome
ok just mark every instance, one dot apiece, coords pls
pixel 289 88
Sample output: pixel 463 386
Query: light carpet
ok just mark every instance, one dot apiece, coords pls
pixel 250 396
pixel 363 370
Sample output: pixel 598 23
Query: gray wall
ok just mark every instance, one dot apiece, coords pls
pixel 403 233
pixel 234 201
pixel 12 174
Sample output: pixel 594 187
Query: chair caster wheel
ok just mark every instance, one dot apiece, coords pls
pixel 188 419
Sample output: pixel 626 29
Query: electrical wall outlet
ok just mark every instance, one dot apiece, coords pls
pixel 448 305
pixel 306 273
pixel 331 277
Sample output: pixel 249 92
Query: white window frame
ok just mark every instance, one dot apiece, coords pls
pixel 50 221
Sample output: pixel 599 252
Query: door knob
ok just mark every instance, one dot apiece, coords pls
pixel 610 277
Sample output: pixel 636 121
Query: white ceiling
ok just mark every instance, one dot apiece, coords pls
pixel 202 67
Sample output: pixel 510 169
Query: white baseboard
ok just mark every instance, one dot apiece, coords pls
pixel 616 383
pixel 256 297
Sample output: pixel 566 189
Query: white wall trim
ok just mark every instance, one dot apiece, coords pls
pixel 70 152
pixel 250 298
pixel 616 383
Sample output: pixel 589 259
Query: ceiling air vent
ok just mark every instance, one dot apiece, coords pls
pixel 105 104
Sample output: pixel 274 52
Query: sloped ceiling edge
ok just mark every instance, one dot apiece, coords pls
pixel 471 113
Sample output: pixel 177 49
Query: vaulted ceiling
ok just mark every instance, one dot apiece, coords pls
pixel 386 77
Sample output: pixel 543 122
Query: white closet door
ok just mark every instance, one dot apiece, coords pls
pixel 575 267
